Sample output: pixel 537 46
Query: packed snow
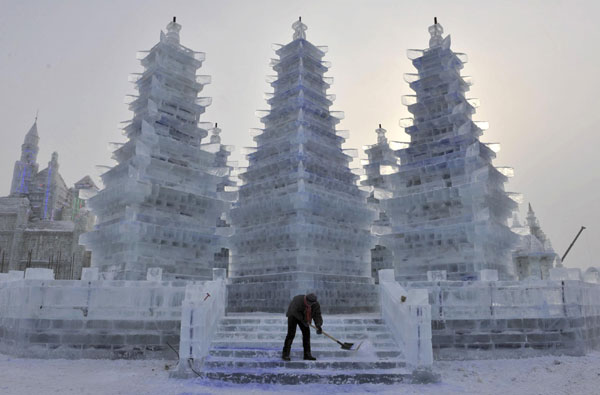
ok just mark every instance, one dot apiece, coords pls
pixel 543 375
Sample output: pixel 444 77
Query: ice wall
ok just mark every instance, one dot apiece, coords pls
pixel 509 319
pixel 301 222
pixel 162 202
pixel 447 206
pixel 90 318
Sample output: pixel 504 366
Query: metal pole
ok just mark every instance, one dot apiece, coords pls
pixel 573 242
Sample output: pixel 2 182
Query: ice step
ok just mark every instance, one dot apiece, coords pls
pixel 296 354
pixel 312 377
pixel 242 364
pixel 247 349
pixel 329 328
pixel 314 337
pixel 328 320
pixel 316 345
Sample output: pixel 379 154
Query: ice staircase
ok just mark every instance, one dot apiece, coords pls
pixel 247 349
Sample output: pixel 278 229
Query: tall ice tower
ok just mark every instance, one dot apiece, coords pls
pixel 448 207
pixel 160 206
pixel 301 222
pixel 26 168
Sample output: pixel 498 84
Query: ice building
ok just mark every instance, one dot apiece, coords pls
pixel 41 220
pixel 380 156
pixel 533 256
pixel 160 205
pixel 447 204
pixel 301 222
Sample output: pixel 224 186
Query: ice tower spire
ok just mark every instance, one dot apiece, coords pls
pixel 534 225
pixel 173 29
pixel 26 167
pixel 436 30
pixel 299 29
pixel 215 137
pixel 381 135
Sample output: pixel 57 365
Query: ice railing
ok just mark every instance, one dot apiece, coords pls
pixel 202 309
pixel 514 299
pixel 408 316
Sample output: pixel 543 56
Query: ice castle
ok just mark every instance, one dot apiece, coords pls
pixel 161 203
pixel 446 201
pixel 301 222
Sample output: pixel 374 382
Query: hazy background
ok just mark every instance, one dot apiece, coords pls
pixel 535 65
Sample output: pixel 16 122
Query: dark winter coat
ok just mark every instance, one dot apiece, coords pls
pixel 297 309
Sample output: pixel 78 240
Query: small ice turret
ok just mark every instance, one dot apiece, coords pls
pixel 533 256
pixel 26 167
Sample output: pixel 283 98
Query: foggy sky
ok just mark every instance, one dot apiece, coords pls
pixel 535 66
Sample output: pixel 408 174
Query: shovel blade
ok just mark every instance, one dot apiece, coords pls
pixel 347 346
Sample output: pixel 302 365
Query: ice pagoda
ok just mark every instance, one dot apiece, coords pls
pixel 160 206
pixel 301 222
pixel 380 157
pixel 447 204
pixel 533 256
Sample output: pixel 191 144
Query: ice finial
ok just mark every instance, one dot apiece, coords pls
pixel 33 132
pixel 173 29
pixel 299 29
pixel 381 135
pixel 436 30
pixel 215 138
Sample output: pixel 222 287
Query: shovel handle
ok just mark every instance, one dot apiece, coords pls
pixel 328 335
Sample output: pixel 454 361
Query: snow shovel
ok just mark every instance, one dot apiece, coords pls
pixel 345 346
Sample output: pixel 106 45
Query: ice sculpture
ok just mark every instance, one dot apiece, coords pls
pixel 533 256
pixel 381 158
pixel 160 206
pixel 448 207
pixel 301 222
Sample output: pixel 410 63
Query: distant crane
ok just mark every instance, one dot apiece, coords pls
pixel 573 242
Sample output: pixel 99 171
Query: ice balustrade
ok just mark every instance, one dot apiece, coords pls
pixel 407 314
pixel 202 309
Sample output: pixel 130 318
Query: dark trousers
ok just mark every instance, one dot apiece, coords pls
pixel 291 333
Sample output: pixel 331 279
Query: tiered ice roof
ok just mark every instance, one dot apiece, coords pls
pixel 160 206
pixel 301 222
pixel 447 205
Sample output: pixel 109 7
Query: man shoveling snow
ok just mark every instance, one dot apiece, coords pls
pixel 302 310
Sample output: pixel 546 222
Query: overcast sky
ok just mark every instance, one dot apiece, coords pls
pixel 535 65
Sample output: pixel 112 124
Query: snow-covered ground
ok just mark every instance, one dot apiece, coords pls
pixel 544 375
